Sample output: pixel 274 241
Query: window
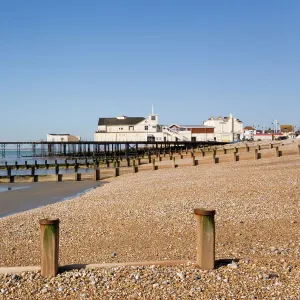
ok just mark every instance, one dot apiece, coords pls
pixel 146 127
pixel 131 128
pixel 153 118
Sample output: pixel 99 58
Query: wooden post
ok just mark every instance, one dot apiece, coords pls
pixel 236 150
pixel 278 153
pixel 235 156
pixel 174 163
pixel 135 169
pixel 203 152
pixel 205 238
pixel 77 176
pixel 116 172
pixel 256 154
pixel 194 161
pixel 225 151
pixel 247 148
pixel 49 246
pixel 59 177
pixel 11 179
pixel 128 162
pixel 154 167
pixel 97 174
pixel 138 161
pixel 271 146
pixel 35 178
pixel 149 158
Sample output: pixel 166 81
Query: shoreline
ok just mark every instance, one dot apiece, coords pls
pixel 40 194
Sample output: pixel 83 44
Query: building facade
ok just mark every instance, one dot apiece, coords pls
pixel 62 137
pixel 226 129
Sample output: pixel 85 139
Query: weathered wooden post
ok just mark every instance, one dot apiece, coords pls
pixel 236 150
pixel 135 169
pixel 49 246
pixel 256 154
pixel 107 163
pixel 77 176
pixel 192 154
pixel 97 174
pixel 205 238
pixel 224 150
pixel 149 158
pixel 194 161
pixel 278 153
pixel 271 146
pixel 116 172
pixel 11 179
pixel 247 148
pixel 159 158
pixel 259 147
pixel 35 178
pixel 203 152
pixel 235 156
pixel 128 162
pixel 138 161
pixel 16 165
pixel 154 167
pixel 59 177
pixel 174 163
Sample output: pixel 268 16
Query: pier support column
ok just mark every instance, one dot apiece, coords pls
pixel 49 246
pixel 205 228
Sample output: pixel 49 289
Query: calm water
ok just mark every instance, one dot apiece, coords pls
pixel 26 155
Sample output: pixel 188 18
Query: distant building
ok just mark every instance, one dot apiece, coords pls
pixel 62 137
pixel 193 132
pixel 287 129
pixel 226 129
pixel 249 133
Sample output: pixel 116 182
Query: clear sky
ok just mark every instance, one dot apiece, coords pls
pixel 64 64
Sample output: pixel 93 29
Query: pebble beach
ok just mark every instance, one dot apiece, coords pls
pixel 148 216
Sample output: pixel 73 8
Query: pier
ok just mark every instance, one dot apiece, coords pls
pixel 93 148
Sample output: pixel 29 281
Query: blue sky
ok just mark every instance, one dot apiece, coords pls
pixel 64 64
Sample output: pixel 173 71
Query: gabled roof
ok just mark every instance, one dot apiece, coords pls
pixel 249 128
pixel 116 121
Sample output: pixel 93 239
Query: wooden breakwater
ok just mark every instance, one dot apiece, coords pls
pixel 100 168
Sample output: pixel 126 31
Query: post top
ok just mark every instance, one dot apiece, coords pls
pixel 204 212
pixel 49 221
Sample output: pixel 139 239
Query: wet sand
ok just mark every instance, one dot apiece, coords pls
pixel 25 196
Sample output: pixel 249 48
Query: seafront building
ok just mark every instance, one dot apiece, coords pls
pixel 227 129
pixel 62 137
pixel 139 129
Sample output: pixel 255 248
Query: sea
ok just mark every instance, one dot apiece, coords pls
pixel 12 156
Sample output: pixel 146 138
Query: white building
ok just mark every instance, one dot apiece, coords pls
pixel 62 137
pixel 139 129
pixel 129 129
pixel 249 133
pixel 226 129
